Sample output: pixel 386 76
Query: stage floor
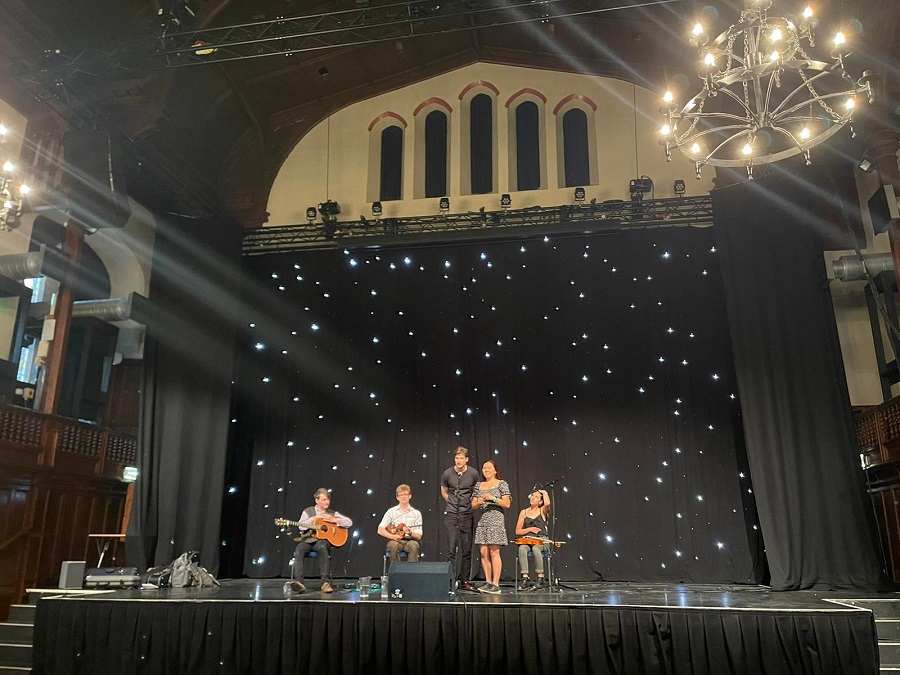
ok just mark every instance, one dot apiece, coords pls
pixel 646 596
pixel 255 626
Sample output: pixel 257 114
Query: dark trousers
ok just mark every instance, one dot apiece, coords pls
pixel 459 536
pixel 322 549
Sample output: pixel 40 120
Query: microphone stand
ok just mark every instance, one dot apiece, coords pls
pixel 554 586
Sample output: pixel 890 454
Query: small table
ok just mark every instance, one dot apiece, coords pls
pixel 103 542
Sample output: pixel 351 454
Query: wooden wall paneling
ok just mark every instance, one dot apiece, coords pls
pixel 15 523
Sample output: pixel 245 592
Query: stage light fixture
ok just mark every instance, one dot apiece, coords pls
pixel 444 204
pixel 637 187
pixel 505 201
pixel 311 214
pixel 376 209
pixel 679 187
pixel 579 195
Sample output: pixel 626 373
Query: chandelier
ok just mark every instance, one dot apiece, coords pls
pixel 764 98
pixel 12 192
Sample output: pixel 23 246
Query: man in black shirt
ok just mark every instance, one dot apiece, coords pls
pixel 457 484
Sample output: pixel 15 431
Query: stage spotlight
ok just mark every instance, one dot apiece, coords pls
pixel 311 214
pixel 505 201
pixel 639 186
pixel 329 209
pixel 376 209
pixel 579 195
pixel 680 188
pixel 444 204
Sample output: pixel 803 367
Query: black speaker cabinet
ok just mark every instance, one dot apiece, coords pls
pixel 420 581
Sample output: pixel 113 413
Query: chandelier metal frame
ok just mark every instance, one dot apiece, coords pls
pixel 764 97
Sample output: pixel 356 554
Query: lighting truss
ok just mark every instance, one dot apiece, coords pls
pixel 612 216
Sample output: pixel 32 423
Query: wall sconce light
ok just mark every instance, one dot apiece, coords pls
pixel 505 201
pixel 866 164
pixel 579 195
pixel 444 204
pixel 376 209
pixel 311 214
pixel 680 188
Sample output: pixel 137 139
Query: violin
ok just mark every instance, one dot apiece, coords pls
pixel 400 528
pixel 534 541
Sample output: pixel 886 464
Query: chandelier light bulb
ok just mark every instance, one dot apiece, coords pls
pixel 839 39
pixel 808 12
pixel 698 29
pixel 748 149
pixel 696 149
pixel 668 97
pixel 850 104
pixel 776 35
pixel 7 205
pixel 709 60
pixel 666 130
pixel 25 189
pixel 774 56
pixel 804 133
pixel 3 130
pixel 8 166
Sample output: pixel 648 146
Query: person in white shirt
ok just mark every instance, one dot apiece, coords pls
pixel 402 527
pixel 309 542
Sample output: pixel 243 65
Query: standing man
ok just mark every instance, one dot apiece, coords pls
pixel 457 484
pixel 309 542
pixel 402 527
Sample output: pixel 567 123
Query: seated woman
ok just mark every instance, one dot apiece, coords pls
pixel 532 523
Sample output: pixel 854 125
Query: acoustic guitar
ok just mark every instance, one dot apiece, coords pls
pixel 335 535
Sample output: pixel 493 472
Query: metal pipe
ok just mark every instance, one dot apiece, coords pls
pixel 112 309
pixel 22 265
pixel 853 268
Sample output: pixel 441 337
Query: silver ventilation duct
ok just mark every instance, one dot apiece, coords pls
pixel 133 307
pixel 853 268
pixel 47 262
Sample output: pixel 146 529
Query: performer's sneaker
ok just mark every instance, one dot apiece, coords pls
pixel 542 583
pixel 326 587
pixel 297 587
pixel 465 586
pixel 490 588
pixel 526 584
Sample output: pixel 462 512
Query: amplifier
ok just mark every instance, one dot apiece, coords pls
pixel 112 577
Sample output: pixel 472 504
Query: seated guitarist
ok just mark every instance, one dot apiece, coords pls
pixel 309 542
pixel 532 523
pixel 402 527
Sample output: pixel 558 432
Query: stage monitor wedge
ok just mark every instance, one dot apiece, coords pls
pixel 420 581
pixel 95 193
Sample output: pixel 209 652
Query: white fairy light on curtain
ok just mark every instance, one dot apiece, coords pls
pixel 764 97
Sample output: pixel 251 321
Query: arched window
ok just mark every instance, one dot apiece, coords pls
pixel 528 147
pixel 575 148
pixel 481 132
pixel 391 164
pixel 436 154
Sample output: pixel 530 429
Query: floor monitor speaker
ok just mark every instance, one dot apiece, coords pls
pixel 72 574
pixel 421 581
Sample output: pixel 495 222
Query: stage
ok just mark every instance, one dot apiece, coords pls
pixel 248 626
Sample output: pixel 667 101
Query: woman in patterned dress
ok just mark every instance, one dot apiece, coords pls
pixel 491 496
